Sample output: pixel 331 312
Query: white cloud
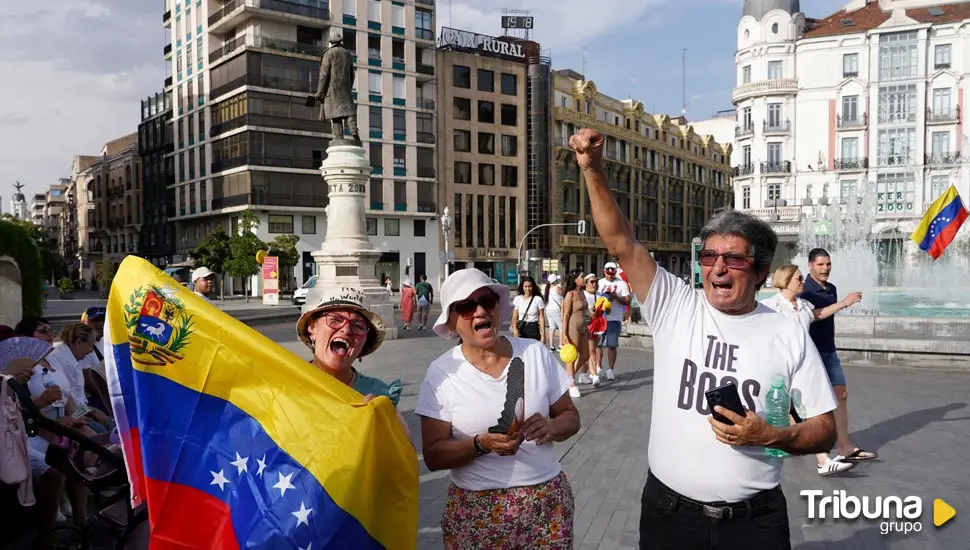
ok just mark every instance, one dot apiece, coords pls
pixel 561 26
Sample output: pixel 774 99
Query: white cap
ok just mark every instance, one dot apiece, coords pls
pixel 459 286
pixel 610 265
pixel 553 278
pixel 201 273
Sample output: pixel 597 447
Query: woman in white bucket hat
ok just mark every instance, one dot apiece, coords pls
pixel 491 408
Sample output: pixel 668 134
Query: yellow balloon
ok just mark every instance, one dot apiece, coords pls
pixel 260 256
pixel 568 353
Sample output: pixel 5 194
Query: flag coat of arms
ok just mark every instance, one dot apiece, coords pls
pixel 941 223
pixel 234 442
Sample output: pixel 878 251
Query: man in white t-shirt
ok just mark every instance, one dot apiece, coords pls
pixel 708 480
pixel 618 293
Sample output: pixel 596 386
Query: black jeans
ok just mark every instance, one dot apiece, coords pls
pixel 669 521
pixel 530 330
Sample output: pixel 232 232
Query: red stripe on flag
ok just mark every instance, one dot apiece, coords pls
pixel 131 445
pixel 949 233
pixel 182 517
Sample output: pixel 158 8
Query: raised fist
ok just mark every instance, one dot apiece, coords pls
pixel 588 145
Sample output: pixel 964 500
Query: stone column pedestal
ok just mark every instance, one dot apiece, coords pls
pixel 347 257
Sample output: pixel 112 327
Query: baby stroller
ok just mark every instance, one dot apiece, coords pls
pixel 107 482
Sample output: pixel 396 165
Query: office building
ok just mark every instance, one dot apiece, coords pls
pixel 667 179
pixel 245 139
pixel 37 206
pixel 875 93
pixel 483 112
pixel 155 147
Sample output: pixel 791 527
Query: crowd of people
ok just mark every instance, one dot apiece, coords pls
pixel 493 406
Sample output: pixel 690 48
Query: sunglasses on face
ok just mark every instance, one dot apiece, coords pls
pixel 337 322
pixel 468 307
pixel 733 260
pixel 44 330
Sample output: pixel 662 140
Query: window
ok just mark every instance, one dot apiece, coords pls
pixel 940 145
pixel 510 85
pixel 510 146
pixel 397 15
pixel 941 101
pixel 480 215
pixel 400 196
pixel 400 87
pixel 774 28
pixel 501 222
pixel 941 56
pixel 896 146
pixel 423 27
pixel 463 108
pixel 461 76
pixel 938 185
pixel 746 74
pixel 897 56
pixel 774 153
pixel 850 149
pixel 850 108
pixel 400 122
pixel 897 103
pixel 486 112
pixel 746 197
pixel 400 156
pixel 374 83
pixel 376 194
pixel 850 65
pixel 456 227
pixel 774 70
pixel 774 115
pixel 371 226
pixel 510 176
pixel 198 50
pixel 486 80
pixel 463 172
pixel 746 155
pixel 420 228
pixel 774 191
pixel 375 118
pixel 895 192
pixel 847 188
pixel 746 122
pixel 510 115
pixel 486 174
pixel 463 141
pixel 376 155
pixel 200 89
pixel 374 10
pixel 491 221
pixel 350 8
pixel 309 225
pixel 486 143
pixel 392 227
pixel 279 223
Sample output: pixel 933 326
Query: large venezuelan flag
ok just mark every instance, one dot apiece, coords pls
pixel 234 442
pixel 939 226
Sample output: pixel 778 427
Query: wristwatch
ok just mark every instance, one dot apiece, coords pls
pixel 479 449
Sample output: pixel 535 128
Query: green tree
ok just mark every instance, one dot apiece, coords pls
pixel 243 248
pixel 284 247
pixel 16 242
pixel 214 252
pixel 105 273
pixel 52 264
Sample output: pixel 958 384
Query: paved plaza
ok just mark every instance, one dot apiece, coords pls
pixel 918 421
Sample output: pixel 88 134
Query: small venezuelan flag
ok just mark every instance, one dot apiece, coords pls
pixel 939 226
pixel 233 442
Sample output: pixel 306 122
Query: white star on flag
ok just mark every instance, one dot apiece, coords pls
pixel 241 463
pixel 219 478
pixel 261 465
pixel 302 515
pixel 307 546
pixel 283 484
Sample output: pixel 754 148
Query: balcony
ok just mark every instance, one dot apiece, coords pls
pixel 942 116
pixel 782 167
pixel 268 121
pixel 776 127
pixel 743 170
pixel 264 160
pixel 425 2
pixel 425 137
pixel 424 104
pixel 233 13
pixel 776 213
pixel 427 206
pixel 765 87
pixel 168 82
pixel 897 118
pixel 270 199
pixel 425 70
pixel 426 171
pixel 741 132
pixel 424 34
pixel 856 122
pixel 852 163
pixel 943 159
pixel 167 18
pixel 167 50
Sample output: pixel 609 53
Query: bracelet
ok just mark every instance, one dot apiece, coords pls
pixel 478 448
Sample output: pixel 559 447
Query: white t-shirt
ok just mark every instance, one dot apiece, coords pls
pixel 555 299
pixel 803 312
pixel 697 348
pixel 59 376
pixel 619 288
pixel 62 359
pixel 532 315
pixel 455 391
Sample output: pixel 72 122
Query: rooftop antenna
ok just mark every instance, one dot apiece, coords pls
pixel 683 83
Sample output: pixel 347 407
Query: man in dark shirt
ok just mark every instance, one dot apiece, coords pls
pixel 822 294
pixel 425 299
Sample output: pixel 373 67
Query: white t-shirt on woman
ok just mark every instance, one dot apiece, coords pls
pixel 802 310
pixel 62 359
pixel 455 391
pixel 532 315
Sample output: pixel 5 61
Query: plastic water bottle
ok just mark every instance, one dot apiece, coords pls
pixel 777 408
pixel 48 381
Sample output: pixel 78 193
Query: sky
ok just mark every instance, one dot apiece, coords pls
pixel 76 70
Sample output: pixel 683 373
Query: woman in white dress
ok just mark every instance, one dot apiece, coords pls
pixel 790 282
pixel 553 313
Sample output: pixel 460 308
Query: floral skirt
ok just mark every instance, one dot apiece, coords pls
pixel 519 518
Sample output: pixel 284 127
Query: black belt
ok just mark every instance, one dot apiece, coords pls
pixel 752 507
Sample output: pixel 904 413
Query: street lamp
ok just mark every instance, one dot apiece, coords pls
pixel 446 232
pixel 580 229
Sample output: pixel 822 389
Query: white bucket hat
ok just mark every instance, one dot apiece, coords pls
pixel 459 286
pixel 352 299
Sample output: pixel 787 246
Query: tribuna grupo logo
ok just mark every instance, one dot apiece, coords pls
pixel 896 514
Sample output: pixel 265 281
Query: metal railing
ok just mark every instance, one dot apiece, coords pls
pixel 424 103
pixel 852 163
pixel 743 170
pixel 743 131
pixel 943 115
pixel 938 159
pixel 844 123
pixel 776 127
pixel 270 5
pixel 783 167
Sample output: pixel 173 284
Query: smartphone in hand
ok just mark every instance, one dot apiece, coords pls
pixel 726 396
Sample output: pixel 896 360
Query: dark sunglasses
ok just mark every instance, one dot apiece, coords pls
pixel 733 260
pixel 468 307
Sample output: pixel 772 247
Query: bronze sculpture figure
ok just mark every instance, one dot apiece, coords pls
pixel 335 87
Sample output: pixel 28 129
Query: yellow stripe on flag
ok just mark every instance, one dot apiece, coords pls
pixel 932 212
